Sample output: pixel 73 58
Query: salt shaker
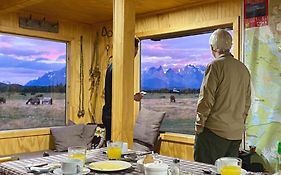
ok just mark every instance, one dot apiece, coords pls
pixel 175 167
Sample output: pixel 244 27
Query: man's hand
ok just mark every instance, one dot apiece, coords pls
pixel 138 96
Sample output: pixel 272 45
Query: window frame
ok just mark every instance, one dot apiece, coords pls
pixel 191 29
pixel 51 37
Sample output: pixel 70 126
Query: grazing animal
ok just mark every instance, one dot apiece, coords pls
pixel 2 100
pixel 172 99
pixel 39 95
pixel 47 100
pixel 33 101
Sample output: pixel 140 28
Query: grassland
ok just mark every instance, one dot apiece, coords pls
pixel 15 114
pixel 180 115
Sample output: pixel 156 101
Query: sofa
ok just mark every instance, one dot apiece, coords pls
pixel 91 136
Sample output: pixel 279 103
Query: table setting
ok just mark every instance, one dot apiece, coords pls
pixel 114 159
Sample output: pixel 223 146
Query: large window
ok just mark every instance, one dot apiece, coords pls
pixel 172 71
pixel 32 82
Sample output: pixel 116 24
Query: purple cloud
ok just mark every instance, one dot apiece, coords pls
pixel 23 59
pixel 176 52
pixel 20 52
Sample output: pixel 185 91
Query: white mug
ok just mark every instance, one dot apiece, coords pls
pixel 71 166
pixel 124 147
pixel 155 169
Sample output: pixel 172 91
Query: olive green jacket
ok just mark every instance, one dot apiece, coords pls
pixel 225 98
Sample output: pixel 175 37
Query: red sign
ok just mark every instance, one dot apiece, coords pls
pixel 255 13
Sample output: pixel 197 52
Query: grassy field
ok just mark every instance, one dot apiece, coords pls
pixel 180 115
pixel 15 114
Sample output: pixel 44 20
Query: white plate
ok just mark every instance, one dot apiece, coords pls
pixel 243 172
pixel 59 172
pixel 110 165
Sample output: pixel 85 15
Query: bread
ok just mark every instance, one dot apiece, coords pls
pixel 148 159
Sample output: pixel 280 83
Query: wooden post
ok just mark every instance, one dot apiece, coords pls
pixel 123 70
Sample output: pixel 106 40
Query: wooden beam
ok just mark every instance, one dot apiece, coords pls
pixel 7 6
pixel 123 70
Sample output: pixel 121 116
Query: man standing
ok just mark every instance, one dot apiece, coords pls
pixel 223 104
pixel 106 111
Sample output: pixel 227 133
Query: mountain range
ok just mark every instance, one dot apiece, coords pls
pixel 189 76
pixel 50 79
pixel 153 78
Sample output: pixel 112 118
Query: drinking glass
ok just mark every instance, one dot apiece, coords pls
pixel 114 150
pixel 231 166
pixel 77 152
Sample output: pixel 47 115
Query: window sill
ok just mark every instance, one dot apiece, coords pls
pixel 24 133
pixel 179 138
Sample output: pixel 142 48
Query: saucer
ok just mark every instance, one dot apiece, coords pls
pixel 58 171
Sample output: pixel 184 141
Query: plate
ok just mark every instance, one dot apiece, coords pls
pixel 110 165
pixel 59 172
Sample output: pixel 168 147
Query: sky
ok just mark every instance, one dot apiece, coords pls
pixel 176 53
pixel 23 58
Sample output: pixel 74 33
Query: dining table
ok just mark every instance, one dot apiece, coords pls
pixel 19 167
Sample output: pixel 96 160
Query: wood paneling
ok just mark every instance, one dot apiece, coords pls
pixel 14 5
pixel 28 140
pixel 123 71
pixel 93 11
pixel 177 145
pixel 153 23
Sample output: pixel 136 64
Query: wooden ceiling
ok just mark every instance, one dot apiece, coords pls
pixel 91 11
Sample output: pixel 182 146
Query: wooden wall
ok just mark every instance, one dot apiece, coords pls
pixel 183 19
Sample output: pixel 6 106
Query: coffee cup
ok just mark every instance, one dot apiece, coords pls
pixel 71 166
pixel 155 169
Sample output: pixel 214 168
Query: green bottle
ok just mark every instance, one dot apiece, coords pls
pixel 279 158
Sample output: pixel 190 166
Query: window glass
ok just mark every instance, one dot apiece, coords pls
pixel 172 71
pixel 32 82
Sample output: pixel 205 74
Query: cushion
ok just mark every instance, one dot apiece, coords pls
pixel 88 134
pixel 141 147
pixel 67 136
pixel 147 127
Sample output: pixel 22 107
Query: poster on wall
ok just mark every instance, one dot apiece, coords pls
pixel 262 56
pixel 255 13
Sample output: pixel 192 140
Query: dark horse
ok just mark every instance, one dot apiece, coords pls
pixel 172 98
pixel 33 101
pixel 2 100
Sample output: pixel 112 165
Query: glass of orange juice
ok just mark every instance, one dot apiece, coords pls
pixel 77 152
pixel 231 170
pixel 114 150
pixel 231 166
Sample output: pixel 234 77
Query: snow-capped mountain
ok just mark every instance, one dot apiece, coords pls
pixel 188 77
pixel 50 79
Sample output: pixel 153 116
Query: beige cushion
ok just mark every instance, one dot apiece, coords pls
pixel 147 128
pixel 67 136
pixel 89 133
